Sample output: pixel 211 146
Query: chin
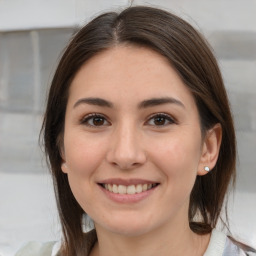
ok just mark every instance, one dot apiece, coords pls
pixel 129 231
pixel 129 227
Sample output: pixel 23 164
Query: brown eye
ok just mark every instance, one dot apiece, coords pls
pixel 95 120
pixel 98 121
pixel 160 120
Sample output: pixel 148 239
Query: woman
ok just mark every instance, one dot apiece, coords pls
pixel 139 136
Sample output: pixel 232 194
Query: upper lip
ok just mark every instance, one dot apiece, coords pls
pixel 127 182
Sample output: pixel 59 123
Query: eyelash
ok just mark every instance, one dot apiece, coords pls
pixel 162 115
pixel 90 117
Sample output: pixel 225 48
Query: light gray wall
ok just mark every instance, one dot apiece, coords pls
pixel 32 14
pixel 32 36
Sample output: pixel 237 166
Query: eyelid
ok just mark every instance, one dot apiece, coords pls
pixel 168 117
pixel 84 120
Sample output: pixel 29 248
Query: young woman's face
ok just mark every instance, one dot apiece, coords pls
pixel 132 141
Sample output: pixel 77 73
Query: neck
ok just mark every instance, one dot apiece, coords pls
pixel 163 241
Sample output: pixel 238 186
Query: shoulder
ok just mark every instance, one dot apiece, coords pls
pixel 221 245
pixel 52 248
pixel 234 247
pixel 39 249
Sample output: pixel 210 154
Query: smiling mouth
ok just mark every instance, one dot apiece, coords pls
pixel 129 190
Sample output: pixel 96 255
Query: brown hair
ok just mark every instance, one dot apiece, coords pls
pixel 190 55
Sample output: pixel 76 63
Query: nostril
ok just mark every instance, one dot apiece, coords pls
pixel 127 166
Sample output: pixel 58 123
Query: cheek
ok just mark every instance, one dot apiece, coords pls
pixel 83 154
pixel 178 159
pixel 176 152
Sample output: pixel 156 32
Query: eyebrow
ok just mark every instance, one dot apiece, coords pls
pixel 160 101
pixel 144 104
pixel 94 101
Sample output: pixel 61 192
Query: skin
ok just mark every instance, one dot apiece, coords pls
pixel 128 141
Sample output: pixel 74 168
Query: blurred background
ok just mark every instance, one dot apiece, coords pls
pixel 32 36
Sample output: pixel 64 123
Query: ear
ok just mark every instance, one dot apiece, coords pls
pixel 210 149
pixel 60 143
pixel 64 166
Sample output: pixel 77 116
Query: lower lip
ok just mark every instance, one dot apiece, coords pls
pixel 127 198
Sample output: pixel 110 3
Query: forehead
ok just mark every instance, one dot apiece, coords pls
pixel 129 72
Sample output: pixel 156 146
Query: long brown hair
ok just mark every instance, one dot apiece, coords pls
pixel 192 58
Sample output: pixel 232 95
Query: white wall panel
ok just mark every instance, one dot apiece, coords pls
pixel 29 14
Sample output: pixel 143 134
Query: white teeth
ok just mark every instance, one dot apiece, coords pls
pixel 109 187
pixel 115 189
pixel 144 187
pixel 131 190
pixel 121 189
pixel 139 188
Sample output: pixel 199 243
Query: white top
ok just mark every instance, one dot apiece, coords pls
pixel 39 249
pixel 219 245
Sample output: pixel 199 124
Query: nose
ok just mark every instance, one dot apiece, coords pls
pixel 125 150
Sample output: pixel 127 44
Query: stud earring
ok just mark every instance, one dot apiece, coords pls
pixel 206 168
